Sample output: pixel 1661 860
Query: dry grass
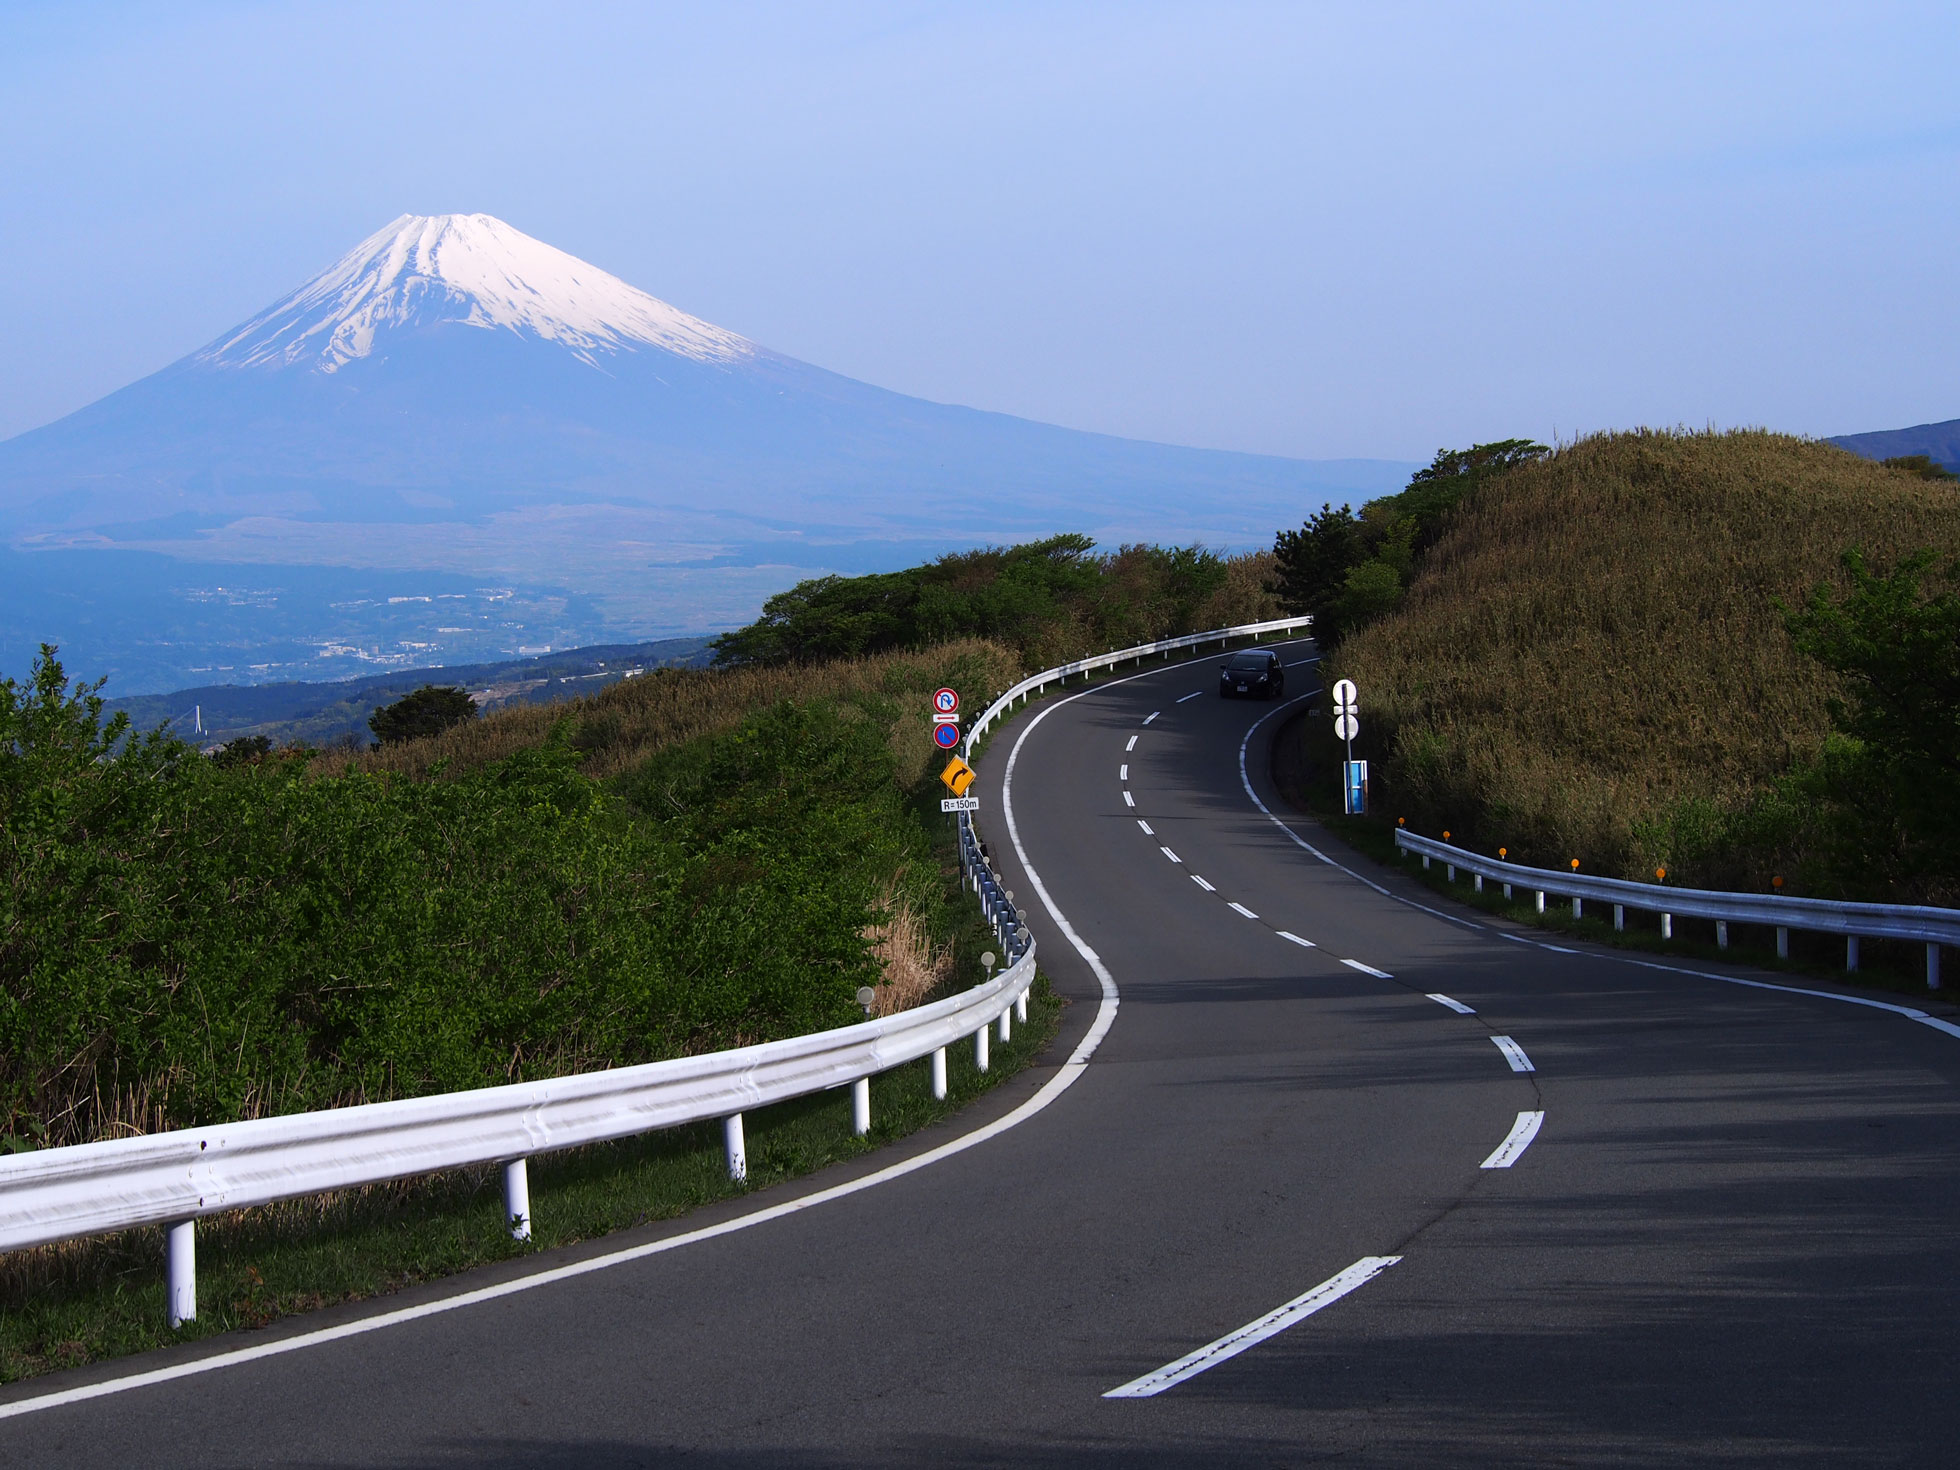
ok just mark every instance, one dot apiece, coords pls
pixel 624 724
pixel 1596 637
pixel 915 969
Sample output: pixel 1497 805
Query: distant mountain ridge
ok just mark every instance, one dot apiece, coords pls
pixel 454 397
pixel 1938 442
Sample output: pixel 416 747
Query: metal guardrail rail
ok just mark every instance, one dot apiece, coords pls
pixel 176 1178
pixel 1931 926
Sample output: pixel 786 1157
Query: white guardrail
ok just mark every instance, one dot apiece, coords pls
pixel 174 1178
pixel 1929 926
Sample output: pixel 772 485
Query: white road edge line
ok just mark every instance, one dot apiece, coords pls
pixel 1513 1053
pixel 1253 1333
pixel 1169 854
pixel 1367 969
pixel 1202 884
pixel 1456 1005
pixel 1129 800
pixel 1191 696
pixel 1515 1142
pixel 1303 943
pixel 1241 908
pixel 1065 1077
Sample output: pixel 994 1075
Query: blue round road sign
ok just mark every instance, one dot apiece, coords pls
pixel 945 736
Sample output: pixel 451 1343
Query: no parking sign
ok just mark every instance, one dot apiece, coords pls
pixel 945 718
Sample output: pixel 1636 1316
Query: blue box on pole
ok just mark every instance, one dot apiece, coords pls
pixel 1354 786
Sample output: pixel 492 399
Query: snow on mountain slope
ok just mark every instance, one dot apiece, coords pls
pixel 470 270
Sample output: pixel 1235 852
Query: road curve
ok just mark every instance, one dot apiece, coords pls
pixel 1353 1173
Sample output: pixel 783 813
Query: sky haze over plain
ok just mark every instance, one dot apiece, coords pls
pixel 1316 231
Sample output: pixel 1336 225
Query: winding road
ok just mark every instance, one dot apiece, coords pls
pixel 1322 1168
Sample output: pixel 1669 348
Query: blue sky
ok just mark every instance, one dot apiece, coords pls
pixel 1310 230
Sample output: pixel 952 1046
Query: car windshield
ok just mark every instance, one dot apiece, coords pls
pixel 1250 663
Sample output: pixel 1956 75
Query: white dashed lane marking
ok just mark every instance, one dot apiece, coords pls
pixel 1456 1005
pixel 1515 1142
pixel 1129 800
pixel 1146 827
pixel 1513 1053
pixel 1171 855
pixel 1132 745
pixel 1242 909
pixel 1367 969
pixel 1303 943
pixel 1191 696
pixel 1202 884
pixel 1123 771
pixel 1253 1333
pixel 1152 715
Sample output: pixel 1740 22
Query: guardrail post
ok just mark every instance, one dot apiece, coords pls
pixel 980 1049
pixel 738 1154
pixel 1667 926
pixel 1007 1025
pixel 1478 880
pixel 1541 900
pixel 1507 890
pixel 1449 870
pixel 861 1106
pixel 1619 918
pixel 1932 966
pixel 1782 943
pixel 939 1074
pixel 180 1272
pixel 1578 910
pixel 1851 951
pixel 517 1199
pixel 1021 1000
pixel 1721 933
pixel 1425 862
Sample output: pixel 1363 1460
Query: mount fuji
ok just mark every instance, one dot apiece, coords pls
pixel 457 401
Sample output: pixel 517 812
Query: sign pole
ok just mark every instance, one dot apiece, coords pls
pixel 1347 725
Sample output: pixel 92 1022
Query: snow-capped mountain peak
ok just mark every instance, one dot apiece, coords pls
pixel 470 270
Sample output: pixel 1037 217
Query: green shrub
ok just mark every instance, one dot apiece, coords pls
pixel 190 941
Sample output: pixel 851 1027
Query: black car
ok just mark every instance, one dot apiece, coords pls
pixel 1253 671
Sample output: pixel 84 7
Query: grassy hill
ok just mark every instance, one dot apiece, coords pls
pixel 1593 649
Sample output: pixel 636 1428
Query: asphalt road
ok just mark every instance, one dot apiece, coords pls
pixel 1730 1239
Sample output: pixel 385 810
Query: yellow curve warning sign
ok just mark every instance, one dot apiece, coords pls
pixel 957 776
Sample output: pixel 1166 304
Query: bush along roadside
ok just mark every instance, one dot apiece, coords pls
pixel 1306 769
pixel 194 940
